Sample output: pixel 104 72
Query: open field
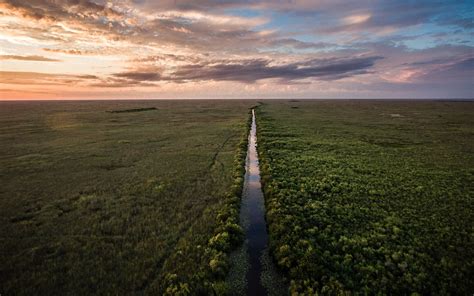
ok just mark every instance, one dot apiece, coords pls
pixel 118 197
pixel 370 196
pixel 143 197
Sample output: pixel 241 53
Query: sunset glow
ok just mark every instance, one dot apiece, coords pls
pixel 98 49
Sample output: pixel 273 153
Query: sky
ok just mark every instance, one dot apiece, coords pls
pixel 143 49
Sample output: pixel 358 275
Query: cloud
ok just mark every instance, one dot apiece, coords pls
pixel 56 10
pixel 454 71
pixel 187 17
pixel 39 78
pixel 68 21
pixel 28 58
pixel 72 51
pixel 356 19
pixel 194 5
pixel 365 19
pixel 139 76
pixel 252 70
pixel 298 45
pixel 167 58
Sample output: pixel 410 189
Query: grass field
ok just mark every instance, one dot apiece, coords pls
pixel 370 196
pixel 143 197
pixel 118 197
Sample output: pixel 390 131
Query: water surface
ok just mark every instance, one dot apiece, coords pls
pixel 253 216
pixel 253 271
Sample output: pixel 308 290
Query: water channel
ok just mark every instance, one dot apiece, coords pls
pixel 258 276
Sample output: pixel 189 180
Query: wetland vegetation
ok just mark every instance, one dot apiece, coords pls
pixel 361 197
pixel 367 197
pixel 121 203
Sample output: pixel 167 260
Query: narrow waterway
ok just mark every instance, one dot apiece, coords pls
pixel 253 215
pixel 253 271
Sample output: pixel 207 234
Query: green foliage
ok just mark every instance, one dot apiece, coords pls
pixel 119 203
pixel 228 234
pixel 220 242
pixel 219 264
pixel 362 202
pixel 174 287
pixel 220 288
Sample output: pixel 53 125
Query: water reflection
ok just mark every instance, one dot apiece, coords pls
pixel 253 213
